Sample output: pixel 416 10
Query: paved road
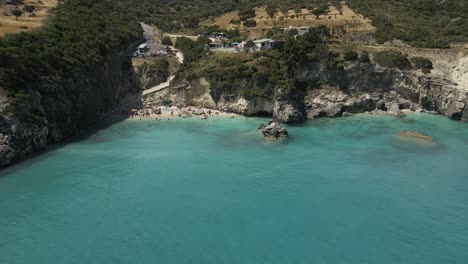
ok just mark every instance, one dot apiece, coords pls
pixel 181 36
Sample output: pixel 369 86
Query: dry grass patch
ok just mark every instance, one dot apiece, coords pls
pixel 349 20
pixel 223 21
pixel 9 24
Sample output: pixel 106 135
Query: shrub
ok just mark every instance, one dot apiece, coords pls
pixel 318 12
pixel 335 61
pixel 167 41
pixel 260 79
pixel 364 58
pixel 29 9
pixel 421 63
pixel 350 55
pixel 193 50
pixel 250 44
pixel 17 13
pixel 271 10
pixel 246 13
pixel 153 73
pixel 392 59
pixel 250 23
pixel 270 34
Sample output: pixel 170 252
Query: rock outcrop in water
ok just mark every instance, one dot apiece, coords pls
pixel 273 131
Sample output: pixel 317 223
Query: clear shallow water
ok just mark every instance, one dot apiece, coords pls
pixel 192 191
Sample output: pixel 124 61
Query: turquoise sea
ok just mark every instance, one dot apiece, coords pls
pixel 210 192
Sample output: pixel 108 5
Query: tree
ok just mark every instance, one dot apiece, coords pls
pixel 340 9
pixel 235 22
pixel 17 13
pixel 29 8
pixel 392 59
pixel 270 34
pixel 297 10
pixel 285 10
pixel 250 44
pixel 318 12
pixel 166 41
pixel 271 10
pixel 250 23
pixel 422 63
pixel 350 55
pixel 364 58
pixel 246 13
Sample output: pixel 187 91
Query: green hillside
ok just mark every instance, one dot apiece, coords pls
pixel 422 23
pixel 80 33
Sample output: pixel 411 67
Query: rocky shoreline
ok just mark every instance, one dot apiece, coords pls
pixel 273 131
pixel 165 112
pixel 358 88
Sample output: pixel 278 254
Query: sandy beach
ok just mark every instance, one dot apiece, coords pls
pixel 180 112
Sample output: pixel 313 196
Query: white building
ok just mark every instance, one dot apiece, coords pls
pixel 264 44
pixel 143 48
pixel 300 30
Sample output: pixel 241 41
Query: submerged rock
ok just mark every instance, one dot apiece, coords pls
pixel 273 131
pixel 414 141
pixel 415 135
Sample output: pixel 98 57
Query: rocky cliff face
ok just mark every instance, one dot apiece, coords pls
pixel 365 87
pixel 360 87
pixel 30 121
pixel 197 92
